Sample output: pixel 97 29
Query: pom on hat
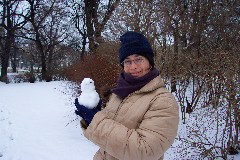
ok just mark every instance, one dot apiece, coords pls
pixel 135 43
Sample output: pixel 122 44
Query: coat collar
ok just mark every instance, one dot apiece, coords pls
pixel 152 85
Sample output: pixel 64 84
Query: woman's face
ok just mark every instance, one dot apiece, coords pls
pixel 136 65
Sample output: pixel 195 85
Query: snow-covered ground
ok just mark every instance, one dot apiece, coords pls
pixel 37 122
pixel 33 124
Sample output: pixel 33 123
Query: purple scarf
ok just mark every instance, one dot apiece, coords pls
pixel 128 84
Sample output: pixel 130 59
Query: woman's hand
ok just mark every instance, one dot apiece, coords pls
pixel 85 113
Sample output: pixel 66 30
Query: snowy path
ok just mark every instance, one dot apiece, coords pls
pixel 33 120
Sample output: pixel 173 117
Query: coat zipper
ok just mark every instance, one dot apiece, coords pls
pixel 119 107
pixel 115 116
pixel 121 104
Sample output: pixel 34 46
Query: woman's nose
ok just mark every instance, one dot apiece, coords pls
pixel 133 65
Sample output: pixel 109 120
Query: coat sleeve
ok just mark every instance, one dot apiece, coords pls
pixel 154 136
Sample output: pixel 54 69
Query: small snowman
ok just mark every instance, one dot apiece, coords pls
pixel 89 96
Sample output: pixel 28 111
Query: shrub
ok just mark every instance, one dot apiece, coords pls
pixel 95 67
pixel 30 77
pixel 101 66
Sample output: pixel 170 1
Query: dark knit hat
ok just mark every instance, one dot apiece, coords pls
pixel 135 43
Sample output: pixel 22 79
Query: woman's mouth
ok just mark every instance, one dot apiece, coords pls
pixel 135 74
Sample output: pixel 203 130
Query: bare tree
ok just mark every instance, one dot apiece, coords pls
pixel 97 15
pixel 91 17
pixel 11 18
pixel 48 28
pixel 136 15
pixel 79 20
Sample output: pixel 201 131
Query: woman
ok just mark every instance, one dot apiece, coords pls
pixel 140 120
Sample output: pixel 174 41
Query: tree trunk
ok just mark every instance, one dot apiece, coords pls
pixel 7 46
pixel 43 57
pixel 164 46
pixel 84 43
pixel 4 61
pixel 176 42
pixel 94 26
pixel 44 69
pixel 5 58
pixel 14 60
pixel 90 8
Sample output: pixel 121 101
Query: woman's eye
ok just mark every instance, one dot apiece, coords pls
pixel 139 60
pixel 127 62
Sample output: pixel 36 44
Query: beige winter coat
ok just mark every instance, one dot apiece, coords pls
pixel 140 127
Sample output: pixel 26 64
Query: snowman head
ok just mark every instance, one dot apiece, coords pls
pixel 87 85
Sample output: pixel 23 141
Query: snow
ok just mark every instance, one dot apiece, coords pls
pixel 37 121
pixel 33 124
